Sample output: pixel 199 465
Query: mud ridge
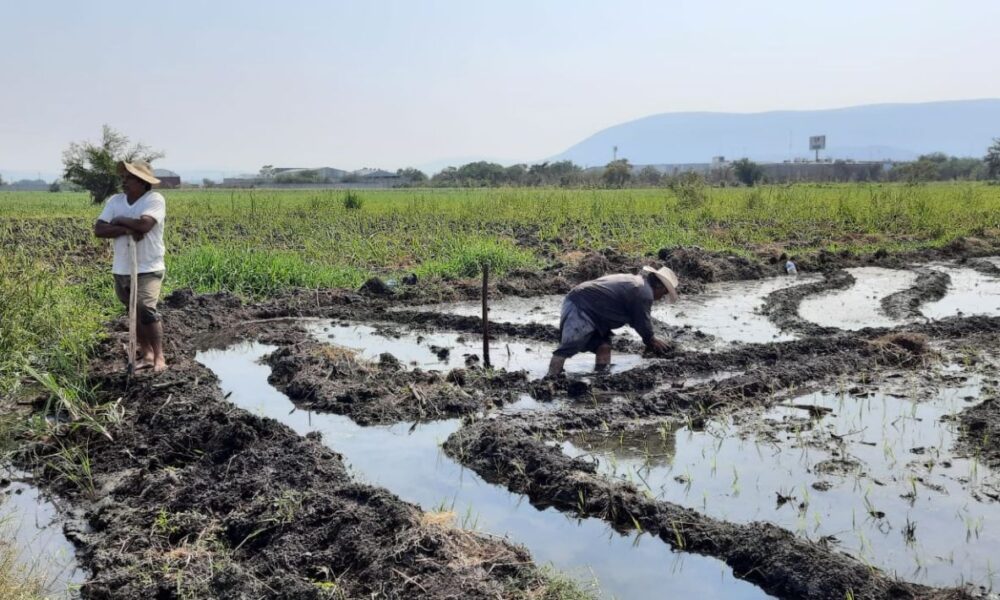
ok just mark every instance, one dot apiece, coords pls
pixel 774 559
pixel 782 306
pixel 320 377
pixel 979 431
pixel 929 286
pixel 984 266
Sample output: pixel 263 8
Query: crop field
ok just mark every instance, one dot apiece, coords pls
pixel 331 425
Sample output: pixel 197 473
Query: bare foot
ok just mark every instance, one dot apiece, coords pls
pixel 160 366
pixel 143 364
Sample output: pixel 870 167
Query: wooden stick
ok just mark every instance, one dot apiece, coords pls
pixel 486 317
pixel 132 304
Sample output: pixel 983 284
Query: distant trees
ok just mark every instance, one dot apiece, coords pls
pixel 938 166
pixel 617 173
pixel 1 180
pixel 412 175
pixel 747 171
pixel 992 160
pixel 94 167
pixel 649 175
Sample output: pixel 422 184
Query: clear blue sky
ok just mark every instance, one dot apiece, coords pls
pixel 234 85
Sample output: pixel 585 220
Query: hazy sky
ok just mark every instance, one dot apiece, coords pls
pixel 234 85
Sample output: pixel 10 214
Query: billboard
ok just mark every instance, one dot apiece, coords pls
pixel 817 142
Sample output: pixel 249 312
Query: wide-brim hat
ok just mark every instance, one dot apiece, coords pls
pixel 140 169
pixel 668 278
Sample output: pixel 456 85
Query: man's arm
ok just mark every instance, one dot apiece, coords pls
pixel 141 225
pixel 103 229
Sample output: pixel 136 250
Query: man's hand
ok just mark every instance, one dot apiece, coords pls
pixel 137 236
pixel 659 346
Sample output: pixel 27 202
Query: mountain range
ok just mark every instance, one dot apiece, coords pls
pixel 869 132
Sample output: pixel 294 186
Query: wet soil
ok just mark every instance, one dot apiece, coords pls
pixel 197 497
pixel 980 430
pixel 317 376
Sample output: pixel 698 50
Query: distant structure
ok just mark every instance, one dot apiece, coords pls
pixel 168 179
pixel 817 143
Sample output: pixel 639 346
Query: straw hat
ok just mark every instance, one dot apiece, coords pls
pixel 668 278
pixel 140 169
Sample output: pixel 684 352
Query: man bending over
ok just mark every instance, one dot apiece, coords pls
pixel 593 309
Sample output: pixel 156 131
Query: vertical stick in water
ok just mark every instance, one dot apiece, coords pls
pixel 132 304
pixel 486 313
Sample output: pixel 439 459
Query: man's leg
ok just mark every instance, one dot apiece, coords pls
pixel 150 329
pixel 151 337
pixel 603 360
pixel 556 365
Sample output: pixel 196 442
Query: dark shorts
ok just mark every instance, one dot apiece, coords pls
pixel 149 285
pixel 577 332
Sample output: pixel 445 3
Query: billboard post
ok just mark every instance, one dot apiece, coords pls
pixel 817 143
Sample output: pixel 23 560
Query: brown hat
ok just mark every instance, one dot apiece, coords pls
pixel 140 169
pixel 668 278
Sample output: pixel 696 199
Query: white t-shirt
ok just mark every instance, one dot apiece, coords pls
pixel 149 250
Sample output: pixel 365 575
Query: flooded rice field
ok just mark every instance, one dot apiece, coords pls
pixel 870 471
pixel 406 458
pixel 859 305
pixel 969 293
pixel 838 443
pixel 31 524
pixel 444 351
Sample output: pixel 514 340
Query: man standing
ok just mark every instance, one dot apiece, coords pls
pixel 138 212
pixel 594 308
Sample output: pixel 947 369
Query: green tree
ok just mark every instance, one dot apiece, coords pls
pixel 617 173
pixel 992 160
pixel 412 175
pixel 649 175
pixel 1 180
pixel 94 167
pixel 55 186
pixel 747 171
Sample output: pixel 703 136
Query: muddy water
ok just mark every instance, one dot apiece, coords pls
pixel 858 306
pixel 43 553
pixel 969 293
pixel 727 311
pixel 876 474
pixel 424 350
pixel 410 464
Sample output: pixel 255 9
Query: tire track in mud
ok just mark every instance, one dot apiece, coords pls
pixel 773 558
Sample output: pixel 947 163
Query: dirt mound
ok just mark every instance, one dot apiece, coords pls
pixel 980 430
pixel 696 263
pixel 325 378
pixel 901 348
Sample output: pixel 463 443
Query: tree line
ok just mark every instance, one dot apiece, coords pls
pixel 92 167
